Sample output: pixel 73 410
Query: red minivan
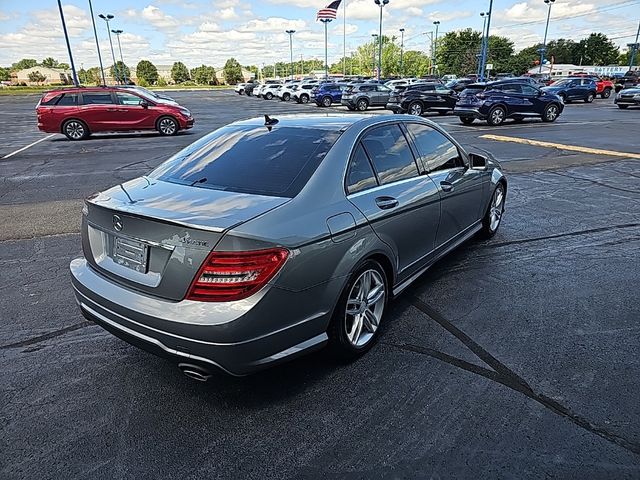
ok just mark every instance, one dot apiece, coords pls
pixel 79 112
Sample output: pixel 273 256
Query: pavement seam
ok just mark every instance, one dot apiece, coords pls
pixel 47 336
pixel 503 375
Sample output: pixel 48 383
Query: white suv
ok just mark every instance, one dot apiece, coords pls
pixel 240 88
pixel 270 90
pixel 303 92
pixel 287 90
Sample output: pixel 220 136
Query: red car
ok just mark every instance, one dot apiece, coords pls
pixel 79 112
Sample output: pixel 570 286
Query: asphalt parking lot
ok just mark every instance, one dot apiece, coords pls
pixel 516 357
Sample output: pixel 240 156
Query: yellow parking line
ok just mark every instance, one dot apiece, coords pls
pixel 560 146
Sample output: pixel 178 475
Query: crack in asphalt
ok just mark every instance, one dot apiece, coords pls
pixel 561 235
pixel 503 375
pixel 47 336
pixel 596 182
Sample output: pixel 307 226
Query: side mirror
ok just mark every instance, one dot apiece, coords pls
pixel 478 162
pixel 144 104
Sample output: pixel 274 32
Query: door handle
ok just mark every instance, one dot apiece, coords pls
pixel 446 186
pixel 386 203
pixel 112 109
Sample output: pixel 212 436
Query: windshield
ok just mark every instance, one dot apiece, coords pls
pixel 561 83
pixel 275 161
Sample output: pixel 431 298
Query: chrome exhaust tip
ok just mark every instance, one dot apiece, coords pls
pixel 194 372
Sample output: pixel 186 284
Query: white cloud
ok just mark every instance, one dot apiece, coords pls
pixel 159 19
pixel 448 16
pixel 273 24
pixel 227 14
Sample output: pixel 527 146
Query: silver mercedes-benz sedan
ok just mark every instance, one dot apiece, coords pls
pixel 270 238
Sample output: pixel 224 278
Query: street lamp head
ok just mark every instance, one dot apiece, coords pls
pixel 117 32
pixel 437 22
pixel 374 34
pixel 549 1
pixel 402 29
pixel 290 32
pixel 108 16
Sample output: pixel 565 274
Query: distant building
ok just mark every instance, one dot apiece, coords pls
pixel 51 75
pixel 561 70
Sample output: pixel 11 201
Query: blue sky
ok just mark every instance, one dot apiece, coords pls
pixel 209 32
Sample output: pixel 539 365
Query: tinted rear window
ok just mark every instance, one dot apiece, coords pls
pixel 96 98
pixel 251 160
pixel 68 99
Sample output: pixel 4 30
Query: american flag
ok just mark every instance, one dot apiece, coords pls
pixel 329 12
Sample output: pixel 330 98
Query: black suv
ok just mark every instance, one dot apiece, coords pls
pixel 365 95
pixel 459 84
pixel 423 97
pixel 497 101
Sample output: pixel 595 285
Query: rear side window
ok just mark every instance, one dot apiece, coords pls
pixel 251 159
pixel 97 98
pixel 367 88
pixel 68 99
pixel 390 154
pixel 49 99
pixel 360 175
pixel 436 151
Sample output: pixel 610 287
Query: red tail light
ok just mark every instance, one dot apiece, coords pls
pixel 230 276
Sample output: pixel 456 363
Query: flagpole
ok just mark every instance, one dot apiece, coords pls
pixel 344 37
pixel 326 56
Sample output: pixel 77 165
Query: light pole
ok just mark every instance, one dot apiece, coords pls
pixel 483 60
pixel 66 37
pixel 435 47
pixel 107 18
pixel 634 48
pixel 546 29
pixel 380 3
pixel 123 72
pixel 375 39
pixel 95 34
pixel 291 32
pixel 401 52
pixel 484 16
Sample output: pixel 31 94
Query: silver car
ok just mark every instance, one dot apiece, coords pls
pixel 270 238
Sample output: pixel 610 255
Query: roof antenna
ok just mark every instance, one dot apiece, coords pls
pixel 268 121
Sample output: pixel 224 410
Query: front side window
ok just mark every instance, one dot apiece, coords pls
pixel 360 175
pixel 128 99
pixel 390 154
pixel 96 99
pixel 512 88
pixel 529 90
pixel 251 159
pixel 436 151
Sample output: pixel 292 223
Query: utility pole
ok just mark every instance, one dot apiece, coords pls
pixel 401 51
pixel 123 72
pixel 546 29
pixel 107 18
pixel 433 61
pixel 95 34
pixel 381 3
pixel 291 32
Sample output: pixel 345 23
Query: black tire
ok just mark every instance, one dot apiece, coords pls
pixel 304 98
pixel 362 104
pixel 241 92
pixel 606 93
pixel 286 97
pixel 442 112
pixel 350 108
pixel 497 116
pixel 339 342
pixel 518 120
pixel 167 126
pixel 467 120
pixel 489 230
pixel 268 96
pixel 75 129
pixel 623 107
pixel 551 113
pixel 590 97
pixel 326 101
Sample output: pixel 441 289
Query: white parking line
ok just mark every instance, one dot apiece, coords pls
pixel 28 146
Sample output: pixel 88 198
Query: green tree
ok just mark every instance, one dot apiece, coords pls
pixel 179 72
pixel 456 52
pixel 597 49
pixel 5 74
pixel 232 72
pixel 24 63
pixel 499 53
pixel 147 71
pixel 562 51
pixel 63 66
pixel 116 71
pixel 49 62
pixel 36 77
pixel 204 75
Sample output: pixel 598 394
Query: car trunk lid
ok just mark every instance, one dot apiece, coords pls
pixel 153 236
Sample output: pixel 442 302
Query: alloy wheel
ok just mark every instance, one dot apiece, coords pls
pixel 497 116
pixel 74 130
pixel 365 306
pixel 552 113
pixel 496 208
pixel 415 109
pixel 326 101
pixel 362 105
pixel 167 126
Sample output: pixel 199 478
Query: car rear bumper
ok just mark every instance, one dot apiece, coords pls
pixel 468 112
pixel 213 336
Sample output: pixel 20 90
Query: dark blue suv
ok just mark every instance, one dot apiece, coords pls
pixel 497 101
pixel 327 93
pixel 574 89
